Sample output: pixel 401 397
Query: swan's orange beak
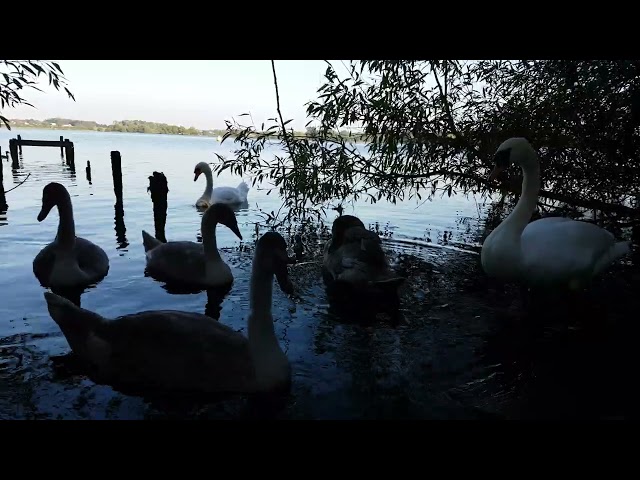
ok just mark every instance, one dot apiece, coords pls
pixel 495 172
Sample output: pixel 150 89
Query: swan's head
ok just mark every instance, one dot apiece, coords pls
pixel 221 213
pixel 341 225
pixel 514 150
pixel 271 257
pixel 52 195
pixel 201 168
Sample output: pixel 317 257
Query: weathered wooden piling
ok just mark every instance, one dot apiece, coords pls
pixel 71 156
pixel 19 144
pixel 88 170
pixel 3 198
pixel 159 189
pixel 61 147
pixel 116 172
pixel 13 150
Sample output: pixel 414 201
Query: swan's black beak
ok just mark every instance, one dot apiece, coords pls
pixel 46 208
pixel 236 230
pixel 197 174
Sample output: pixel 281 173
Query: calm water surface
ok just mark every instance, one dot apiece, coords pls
pixel 450 359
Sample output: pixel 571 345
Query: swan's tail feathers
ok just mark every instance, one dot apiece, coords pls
pixel 149 242
pixel 243 188
pixel 618 250
pixel 77 324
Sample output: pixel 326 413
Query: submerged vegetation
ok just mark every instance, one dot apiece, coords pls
pixel 433 126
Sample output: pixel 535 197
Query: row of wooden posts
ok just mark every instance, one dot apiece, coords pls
pixel 158 187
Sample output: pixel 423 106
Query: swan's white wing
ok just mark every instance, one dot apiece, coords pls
pixel 557 248
pixel 225 195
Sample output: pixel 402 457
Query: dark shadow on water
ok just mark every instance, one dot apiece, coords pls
pixel 88 172
pixel 350 305
pixel 215 297
pixel 120 228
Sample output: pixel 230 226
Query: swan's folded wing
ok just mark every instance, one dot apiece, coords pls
pixel 43 264
pixel 181 261
pixel 91 258
pixel 559 246
pixel 178 349
pixel 226 195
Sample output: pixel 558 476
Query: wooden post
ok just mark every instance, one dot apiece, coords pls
pixel 88 170
pixel 71 157
pixel 116 172
pixel 159 189
pixel 3 198
pixel 61 147
pixel 13 148
pixel 19 144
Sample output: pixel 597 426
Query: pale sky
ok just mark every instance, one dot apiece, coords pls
pixel 198 93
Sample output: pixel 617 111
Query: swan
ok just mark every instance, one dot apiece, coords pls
pixel 354 256
pixel 68 261
pixel 186 351
pixel 193 263
pixel 551 251
pixel 228 195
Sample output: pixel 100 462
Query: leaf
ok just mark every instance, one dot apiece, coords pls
pixel 6 122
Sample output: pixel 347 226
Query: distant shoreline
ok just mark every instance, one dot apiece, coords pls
pixel 128 126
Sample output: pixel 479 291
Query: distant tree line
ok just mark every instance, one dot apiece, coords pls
pixel 140 126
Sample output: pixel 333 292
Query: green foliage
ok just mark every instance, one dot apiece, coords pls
pixel 18 75
pixel 433 126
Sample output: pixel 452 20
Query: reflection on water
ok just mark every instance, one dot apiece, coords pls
pixel 215 297
pixel 88 171
pixel 120 228
pixel 459 350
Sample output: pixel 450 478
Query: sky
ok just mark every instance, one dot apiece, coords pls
pixel 191 93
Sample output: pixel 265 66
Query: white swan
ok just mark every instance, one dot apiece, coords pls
pixel 193 263
pixel 187 351
pixel 228 195
pixel 68 261
pixel 549 252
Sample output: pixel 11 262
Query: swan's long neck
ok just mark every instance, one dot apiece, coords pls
pixel 261 331
pixel 66 236
pixel 209 187
pixel 208 231
pixel 519 218
pixel 271 365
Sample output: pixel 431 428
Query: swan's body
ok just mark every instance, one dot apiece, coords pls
pixel 193 263
pixel 353 256
pixel 228 195
pixel 187 351
pixel 549 252
pixel 68 261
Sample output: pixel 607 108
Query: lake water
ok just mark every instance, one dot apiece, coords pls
pixel 450 359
